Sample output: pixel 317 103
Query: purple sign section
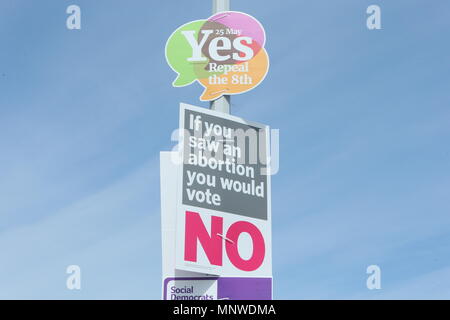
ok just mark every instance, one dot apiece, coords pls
pixel 235 288
pixel 244 288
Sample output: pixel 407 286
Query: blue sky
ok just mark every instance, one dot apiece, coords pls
pixel 364 124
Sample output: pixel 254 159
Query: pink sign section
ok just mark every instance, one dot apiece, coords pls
pixel 238 21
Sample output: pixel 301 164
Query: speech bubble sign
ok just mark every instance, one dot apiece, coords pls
pixel 224 53
pixel 178 50
pixel 242 78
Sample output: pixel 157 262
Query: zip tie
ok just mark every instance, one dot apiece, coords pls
pixel 221 17
pixel 225 238
pixel 225 140
pixel 214 93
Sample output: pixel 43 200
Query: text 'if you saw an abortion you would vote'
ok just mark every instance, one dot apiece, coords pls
pixel 224 162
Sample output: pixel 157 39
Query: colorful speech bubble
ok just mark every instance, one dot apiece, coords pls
pixel 238 80
pixel 224 53
pixel 178 51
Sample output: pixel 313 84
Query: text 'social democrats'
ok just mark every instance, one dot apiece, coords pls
pixel 187 293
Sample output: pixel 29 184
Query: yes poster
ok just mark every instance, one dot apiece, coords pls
pixel 224 53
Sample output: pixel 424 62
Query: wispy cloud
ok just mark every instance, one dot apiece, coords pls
pixel 112 229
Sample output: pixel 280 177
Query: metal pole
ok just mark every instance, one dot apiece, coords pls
pixel 223 103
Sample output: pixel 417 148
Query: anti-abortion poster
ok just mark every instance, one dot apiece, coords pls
pixel 223 217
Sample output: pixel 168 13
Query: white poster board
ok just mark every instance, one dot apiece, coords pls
pixel 223 205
